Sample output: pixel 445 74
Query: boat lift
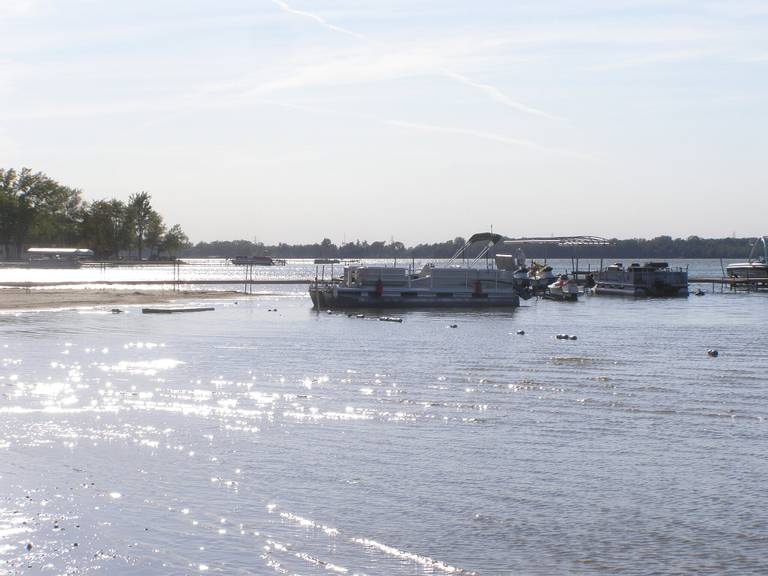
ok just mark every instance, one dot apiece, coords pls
pixel 573 241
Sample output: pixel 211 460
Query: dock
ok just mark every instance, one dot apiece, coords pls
pixel 746 284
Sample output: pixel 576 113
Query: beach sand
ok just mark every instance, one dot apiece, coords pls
pixel 52 299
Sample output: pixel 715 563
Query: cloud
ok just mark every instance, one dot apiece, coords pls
pixel 672 57
pixel 492 91
pixel 18 8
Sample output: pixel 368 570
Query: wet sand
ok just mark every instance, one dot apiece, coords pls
pixel 41 299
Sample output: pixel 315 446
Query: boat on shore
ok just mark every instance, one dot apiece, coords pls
pixel 460 283
pixel 654 279
pixel 756 265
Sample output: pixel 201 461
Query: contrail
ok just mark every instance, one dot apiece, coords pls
pixel 497 95
pixel 319 19
pixel 487 136
pixel 488 89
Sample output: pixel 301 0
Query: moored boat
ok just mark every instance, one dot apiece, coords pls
pixel 563 288
pixel 651 279
pixel 470 284
pixel 756 265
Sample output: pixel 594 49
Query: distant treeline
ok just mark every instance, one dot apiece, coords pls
pixel 661 247
pixel 35 210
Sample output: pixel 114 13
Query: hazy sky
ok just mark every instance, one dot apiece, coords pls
pixel 414 119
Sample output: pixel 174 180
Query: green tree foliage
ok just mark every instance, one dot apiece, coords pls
pixel 106 227
pixel 35 209
pixel 174 241
pixel 662 247
pixel 139 212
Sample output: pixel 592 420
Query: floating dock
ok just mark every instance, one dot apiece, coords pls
pixel 746 284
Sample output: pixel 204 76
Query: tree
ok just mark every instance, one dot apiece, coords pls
pixel 36 208
pixel 106 227
pixel 174 240
pixel 139 210
pixel 154 232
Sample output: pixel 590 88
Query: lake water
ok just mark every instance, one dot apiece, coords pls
pixel 250 441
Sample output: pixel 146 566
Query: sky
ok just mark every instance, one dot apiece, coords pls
pixel 414 120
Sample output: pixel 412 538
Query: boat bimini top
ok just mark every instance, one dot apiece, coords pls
pixel 489 239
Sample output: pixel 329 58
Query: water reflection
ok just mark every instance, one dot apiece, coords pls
pixel 302 444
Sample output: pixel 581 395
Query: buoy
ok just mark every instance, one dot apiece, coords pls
pixel 520 332
pixel 29 546
pixel 713 353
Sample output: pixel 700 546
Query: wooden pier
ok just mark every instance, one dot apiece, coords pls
pixel 745 284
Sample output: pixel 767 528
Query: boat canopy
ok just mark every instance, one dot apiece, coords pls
pixel 485 237
pixel 561 240
pixel 754 253
pixel 488 238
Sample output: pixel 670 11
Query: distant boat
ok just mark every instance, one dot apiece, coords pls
pixel 327 261
pixel 756 265
pixel 651 279
pixel 257 261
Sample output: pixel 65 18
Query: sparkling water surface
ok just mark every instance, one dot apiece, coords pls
pixel 266 438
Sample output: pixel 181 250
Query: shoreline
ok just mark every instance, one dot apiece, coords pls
pixel 20 299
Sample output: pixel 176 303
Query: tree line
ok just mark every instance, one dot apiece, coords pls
pixel 35 210
pixel 660 247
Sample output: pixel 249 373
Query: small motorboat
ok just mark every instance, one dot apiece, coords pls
pixel 756 265
pixel 563 288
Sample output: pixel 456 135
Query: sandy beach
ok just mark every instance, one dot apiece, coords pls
pixel 42 299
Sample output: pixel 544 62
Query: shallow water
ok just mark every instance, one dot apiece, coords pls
pixel 244 441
